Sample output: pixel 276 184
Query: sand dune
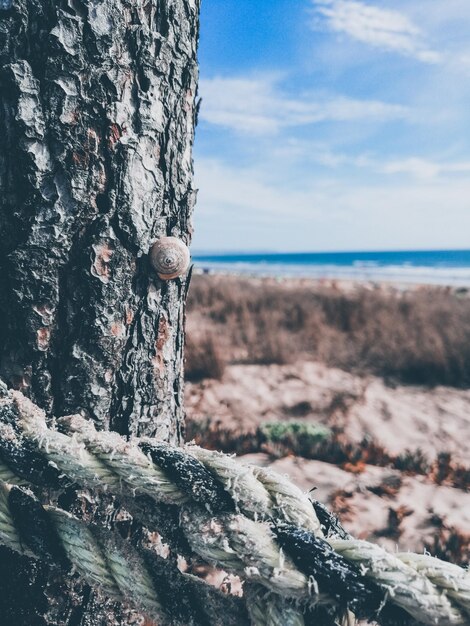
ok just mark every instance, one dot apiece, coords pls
pixel 399 417
pixel 378 503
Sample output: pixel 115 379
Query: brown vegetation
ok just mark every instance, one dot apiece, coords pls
pixel 313 441
pixel 449 544
pixel 416 337
pixel 204 358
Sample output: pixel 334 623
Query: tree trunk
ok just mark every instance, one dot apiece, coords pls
pixel 97 114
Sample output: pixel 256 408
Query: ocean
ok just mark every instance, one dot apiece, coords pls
pixel 437 267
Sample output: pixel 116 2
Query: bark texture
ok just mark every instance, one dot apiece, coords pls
pixel 97 116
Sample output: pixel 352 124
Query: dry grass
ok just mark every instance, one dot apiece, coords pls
pixel 417 337
pixel 204 358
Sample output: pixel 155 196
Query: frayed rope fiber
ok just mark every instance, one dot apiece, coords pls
pixel 246 520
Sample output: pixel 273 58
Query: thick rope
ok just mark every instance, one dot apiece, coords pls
pixel 249 521
pixel 137 474
pixel 267 609
pixel 453 579
pixel 104 560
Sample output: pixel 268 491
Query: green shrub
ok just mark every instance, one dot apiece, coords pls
pixel 298 437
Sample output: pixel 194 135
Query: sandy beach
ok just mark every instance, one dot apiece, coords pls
pixel 390 455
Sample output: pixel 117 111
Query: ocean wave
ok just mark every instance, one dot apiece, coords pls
pixel 364 271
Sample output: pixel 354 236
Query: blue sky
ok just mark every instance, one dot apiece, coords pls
pixel 333 125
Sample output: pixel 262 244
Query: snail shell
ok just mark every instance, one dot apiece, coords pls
pixel 169 257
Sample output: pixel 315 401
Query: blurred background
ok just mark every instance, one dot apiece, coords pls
pixel 329 310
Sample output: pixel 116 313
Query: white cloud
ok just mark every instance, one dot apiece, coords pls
pixel 258 105
pixel 322 171
pixel 247 194
pixel 244 209
pixel 383 28
pixel 294 152
pixel 424 168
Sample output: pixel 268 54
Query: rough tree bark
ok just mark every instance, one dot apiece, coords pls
pixel 97 115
